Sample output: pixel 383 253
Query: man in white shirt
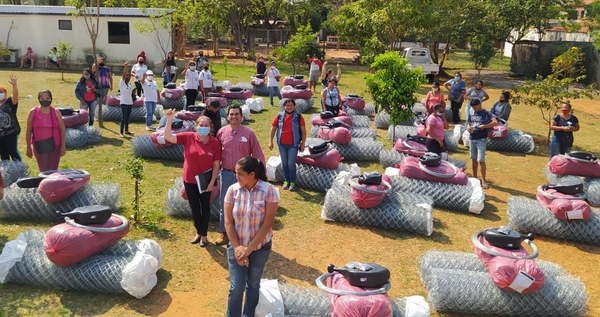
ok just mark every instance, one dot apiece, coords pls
pixel 192 82
pixel 150 97
pixel 206 82
pixel 273 76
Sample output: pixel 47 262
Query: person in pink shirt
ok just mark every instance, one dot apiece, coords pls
pixel 435 125
pixel 45 133
pixel 434 97
pixel 237 141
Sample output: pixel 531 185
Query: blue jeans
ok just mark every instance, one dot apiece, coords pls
pixel 245 279
pixel 90 107
pixel 274 91
pixel 150 108
pixel 477 148
pixel 557 147
pixel 226 179
pixel 288 154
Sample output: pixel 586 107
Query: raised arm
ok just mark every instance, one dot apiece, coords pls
pixel 169 136
pixel 127 69
pixel 15 90
pixel 338 75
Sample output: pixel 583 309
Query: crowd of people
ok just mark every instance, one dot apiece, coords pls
pixel 231 159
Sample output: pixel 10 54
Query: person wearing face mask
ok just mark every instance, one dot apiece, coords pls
pixel 150 97
pixel 45 133
pixel 456 95
pixel 192 83
pixel 126 98
pixel 273 76
pixel 212 111
pixel 9 124
pixel 435 125
pixel 475 93
pixel 103 75
pixel 169 69
pixel 206 81
pixel 330 98
pixel 291 135
pixel 138 70
pixel 502 108
pixel 201 158
pixel 563 125
pixel 237 141
pixel 87 93
pixel 434 97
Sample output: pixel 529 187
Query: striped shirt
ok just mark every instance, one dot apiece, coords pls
pixel 250 208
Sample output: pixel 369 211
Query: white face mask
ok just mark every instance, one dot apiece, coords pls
pixel 2 96
pixel 192 68
pixel 150 78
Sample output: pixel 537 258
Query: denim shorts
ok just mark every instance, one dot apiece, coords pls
pixel 477 149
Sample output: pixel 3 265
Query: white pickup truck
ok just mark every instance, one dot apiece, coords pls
pixel 420 57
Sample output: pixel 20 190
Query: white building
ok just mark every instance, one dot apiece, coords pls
pixel 42 27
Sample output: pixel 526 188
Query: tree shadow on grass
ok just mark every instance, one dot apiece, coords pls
pixel 87 304
pixel 588 248
pixel 511 191
pixel 396 234
pixel 278 266
pixel 310 196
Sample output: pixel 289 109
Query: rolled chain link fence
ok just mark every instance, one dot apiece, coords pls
pixel 356 132
pixel 143 147
pixel 591 186
pixel 516 141
pixel 12 171
pixel 81 136
pixel 26 203
pixel 359 149
pixel 179 207
pixel 389 158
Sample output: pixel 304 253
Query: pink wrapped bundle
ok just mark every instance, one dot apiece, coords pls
pixel 445 173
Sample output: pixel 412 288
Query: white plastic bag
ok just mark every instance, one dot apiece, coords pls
pixel 270 302
pixel 271 169
pixel 416 306
pixel 246 112
pixel 139 275
pixel 11 254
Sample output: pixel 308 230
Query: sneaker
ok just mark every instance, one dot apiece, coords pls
pixel 128 133
pixel 121 135
pixel 285 185
pixel 149 128
pixel 292 187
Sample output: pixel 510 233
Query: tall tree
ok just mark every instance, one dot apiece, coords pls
pixel 89 10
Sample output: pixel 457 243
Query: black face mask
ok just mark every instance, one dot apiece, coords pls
pixel 101 64
pixel 289 112
pixel 45 103
pixel 141 62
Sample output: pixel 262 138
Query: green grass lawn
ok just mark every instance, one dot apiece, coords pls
pixel 460 59
pixel 193 281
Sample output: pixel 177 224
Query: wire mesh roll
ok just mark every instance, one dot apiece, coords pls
pixel 244 85
pixel 302 105
pixel 475 293
pixel 143 147
pixel 98 273
pixel 178 103
pixel 462 261
pixel 382 120
pixel 306 302
pixel 591 186
pixel 261 90
pixel 26 203
pixel 368 110
pixel 516 141
pixel 356 132
pixel 527 215
pixel 359 149
pixel 398 211
pixel 81 136
pixel 138 114
pixel 450 139
pixel 12 170
pixel 357 121
pixel 389 158
pixel 179 207
pixel 315 178
pixel 463 198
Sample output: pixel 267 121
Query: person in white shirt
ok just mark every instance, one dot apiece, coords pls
pixel 150 97
pixel 273 76
pixel 475 93
pixel 206 81
pixel 138 70
pixel 126 90
pixel 192 83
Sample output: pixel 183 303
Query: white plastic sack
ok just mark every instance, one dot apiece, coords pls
pixel 139 275
pixel 11 254
pixel 151 247
pixel 416 306
pixel 477 200
pixel 255 104
pixel 271 169
pixel 270 302
pixel 246 112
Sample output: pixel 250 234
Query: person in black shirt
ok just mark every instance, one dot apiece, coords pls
pixel 9 124
pixel 212 111
pixel 261 67
pixel 169 69
pixel 563 125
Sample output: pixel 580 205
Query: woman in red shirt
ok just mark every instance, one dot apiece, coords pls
pixel 291 135
pixel 85 91
pixel 201 166
pixel 434 97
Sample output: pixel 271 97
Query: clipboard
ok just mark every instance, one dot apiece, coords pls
pixel 203 180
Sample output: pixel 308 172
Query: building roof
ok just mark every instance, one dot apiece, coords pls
pixel 64 10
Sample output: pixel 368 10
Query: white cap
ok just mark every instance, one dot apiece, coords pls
pixel 149 73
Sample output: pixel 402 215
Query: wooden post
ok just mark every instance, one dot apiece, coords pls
pixel 268 40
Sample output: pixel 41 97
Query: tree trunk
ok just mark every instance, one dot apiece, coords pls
pixel 136 201
pixel 444 55
pixel 180 39
pixel 215 39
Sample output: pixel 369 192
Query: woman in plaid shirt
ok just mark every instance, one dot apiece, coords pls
pixel 250 207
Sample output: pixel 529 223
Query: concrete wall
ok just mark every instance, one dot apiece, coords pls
pixel 531 58
pixel 548 37
pixel 41 33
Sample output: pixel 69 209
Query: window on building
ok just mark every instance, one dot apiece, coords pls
pixel 118 32
pixel 65 24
